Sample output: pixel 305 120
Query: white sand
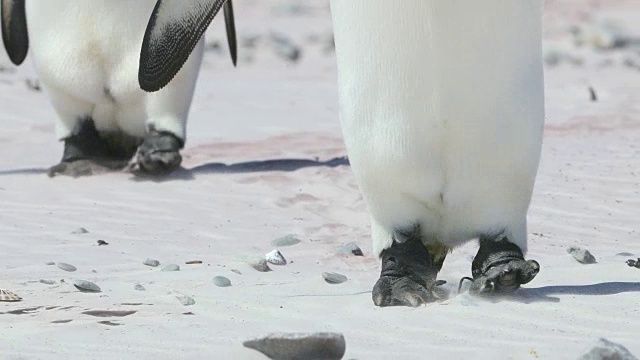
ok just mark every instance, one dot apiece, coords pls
pixel 587 194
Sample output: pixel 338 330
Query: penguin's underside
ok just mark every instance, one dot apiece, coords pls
pixel 442 111
pixel 86 55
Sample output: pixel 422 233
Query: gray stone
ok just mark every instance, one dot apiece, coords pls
pixel 581 255
pixel 86 286
pixel 171 267
pixel 334 278
pixel 236 271
pixel 47 282
pixel 185 300
pixel 287 240
pixel 80 231
pixel 139 287
pixel 66 267
pixel 607 350
pixel 50 263
pixel 151 262
pixel 221 281
pixel 260 264
pixel 289 346
pixel 351 248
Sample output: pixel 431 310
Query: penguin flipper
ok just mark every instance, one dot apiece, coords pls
pixel 14 30
pixel 174 29
pixel 230 24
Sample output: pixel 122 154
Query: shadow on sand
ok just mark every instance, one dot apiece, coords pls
pixel 282 165
pixel 545 293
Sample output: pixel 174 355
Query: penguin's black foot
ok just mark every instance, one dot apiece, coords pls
pixel 409 271
pixel 500 267
pixel 158 155
pixel 85 167
pixel 87 152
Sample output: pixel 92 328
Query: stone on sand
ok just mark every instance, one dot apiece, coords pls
pixel 86 286
pixel 151 262
pixel 287 240
pixel 289 346
pixel 171 267
pixel 334 278
pixel 221 281
pixel 66 267
pixel 260 264
pixel 581 255
pixel 604 349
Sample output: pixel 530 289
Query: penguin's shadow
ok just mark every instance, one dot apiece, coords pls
pixel 281 165
pixel 546 293
pixel 183 174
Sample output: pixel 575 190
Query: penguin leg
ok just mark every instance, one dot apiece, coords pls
pixel 409 271
pixel 500 267
pixel 87 153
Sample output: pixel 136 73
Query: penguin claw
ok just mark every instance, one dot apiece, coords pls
pixel 505 278
pixel 401 291
pixel 159 154
pixel 84 167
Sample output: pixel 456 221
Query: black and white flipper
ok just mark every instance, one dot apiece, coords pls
pixel 14 30
pixel 174 29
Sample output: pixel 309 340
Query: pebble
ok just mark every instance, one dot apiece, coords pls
pixel 50 263
pixel 139 287
pixel 47 282
pixel 582 255
pixel 287 240
pixel 260 264
pixel 86 286
pixel 275 257
pixel 102 242
pixel 289 346
pixel 351 248
pixel 66 267
pixel 80 231
pixel 624 254
pixel 185 299
pixel 171 267
pixel 151 262
pixel 284 47
pixel 334 278
pixel 221 281
pixel 604 349
pixel 236 271
pixel 193 262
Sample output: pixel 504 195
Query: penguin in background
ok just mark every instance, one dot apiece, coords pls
pixel 86 55
pixel 442 113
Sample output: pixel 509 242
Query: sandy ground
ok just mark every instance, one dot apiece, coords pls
pixel 230 201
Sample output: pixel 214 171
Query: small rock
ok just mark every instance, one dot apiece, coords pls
pixel 221 281
pixel 50 263
pixel 193 262
pixel 260 264
pixel 582 255
pixel 171 267
pixel 151 262
pixel 80 231
pixel 236 271
pixel 351 248
pixel 284 47
pixel 334 278
pixel 185 299
pixel 287 240
pixel 102 242
pixel 289 346
pixel 275 257
pixel 624 254
pixel 607 350
pixel 66 267
pixel 139 287
pixel 47 282
pixel 86 286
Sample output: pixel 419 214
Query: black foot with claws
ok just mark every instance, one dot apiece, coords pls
pixel 159 154
pixel 86 152
pixel 500 267
pixel 408 276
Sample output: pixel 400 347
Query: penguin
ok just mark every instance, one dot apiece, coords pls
pixel 442 113
pixel 86 55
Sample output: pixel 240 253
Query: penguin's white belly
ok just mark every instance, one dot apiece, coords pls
pixel 442 110
pixel 86 54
